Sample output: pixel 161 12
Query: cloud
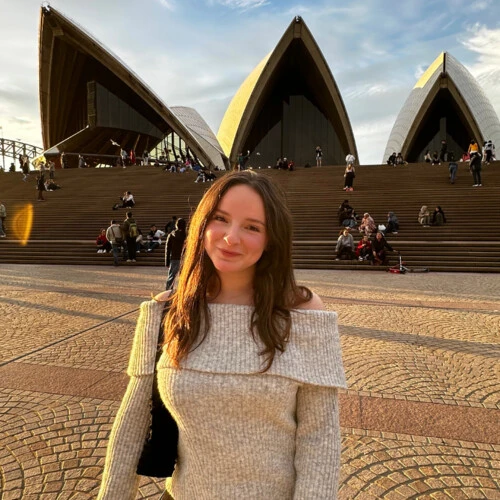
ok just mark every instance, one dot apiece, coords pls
pixel 167 4
pixel 17 120
pixel 485 43
pixel 373 132
pixel 298 10
pixel 480 5
pixel 240 4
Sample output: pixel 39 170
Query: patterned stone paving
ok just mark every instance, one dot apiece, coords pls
pixel 429 340
pixel 383 465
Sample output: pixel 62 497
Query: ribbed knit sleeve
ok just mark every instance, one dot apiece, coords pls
pixel 131 424
pixel 143 355
pixel 317 454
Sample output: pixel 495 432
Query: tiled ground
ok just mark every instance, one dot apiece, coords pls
pixel 420 418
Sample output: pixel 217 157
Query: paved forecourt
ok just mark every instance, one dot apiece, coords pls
pixel 419 420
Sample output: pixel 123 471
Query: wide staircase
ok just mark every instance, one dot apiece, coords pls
pixel 65 226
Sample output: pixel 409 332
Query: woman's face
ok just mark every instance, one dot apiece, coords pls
pixel 236 236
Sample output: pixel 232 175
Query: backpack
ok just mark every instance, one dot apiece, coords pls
pixel 132 230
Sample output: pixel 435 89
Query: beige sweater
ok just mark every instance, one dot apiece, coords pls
pixel 242 434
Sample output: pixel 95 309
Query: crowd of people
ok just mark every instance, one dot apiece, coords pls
pixel 372 245
pixel 438 217
pixel 125 240
pixel 396 159
pixel 475 156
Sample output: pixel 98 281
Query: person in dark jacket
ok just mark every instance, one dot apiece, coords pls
pixel 379 244
pixel 170 225
pixel 438 217
pixel 173 251
pixel 392 223
pixel 129 229
pixel 40 186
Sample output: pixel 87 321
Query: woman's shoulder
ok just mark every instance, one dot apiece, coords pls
pixel 163 296
pixel 314 304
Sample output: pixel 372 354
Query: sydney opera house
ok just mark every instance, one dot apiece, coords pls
pixel 447 104
pixel 90 101
pixel 92 104
pixel 288 105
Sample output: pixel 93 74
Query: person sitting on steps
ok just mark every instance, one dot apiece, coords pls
pixel 379 246
pixel 424 216
pixel 367 225
pixel 345 245
pixel 392 223
pixel 364 249
pixel 127 201
pixel 103 245
pixel 438 217
pixel 346 215
pixel 154 238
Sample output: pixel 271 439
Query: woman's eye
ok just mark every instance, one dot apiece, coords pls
pixel 220 218
pixel 254 228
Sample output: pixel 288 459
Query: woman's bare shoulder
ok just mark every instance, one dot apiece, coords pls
pixel 163 296
pixel 315 303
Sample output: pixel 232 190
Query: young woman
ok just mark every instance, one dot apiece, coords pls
pixel 349 175
pixel 250 367
pixel 345 245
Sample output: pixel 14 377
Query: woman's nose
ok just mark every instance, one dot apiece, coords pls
pixel 232 236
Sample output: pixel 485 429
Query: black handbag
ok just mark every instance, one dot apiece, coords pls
pixel 159 453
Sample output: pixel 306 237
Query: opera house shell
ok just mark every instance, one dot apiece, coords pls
pixel 287 106
pixel 90 102
pixel 448 104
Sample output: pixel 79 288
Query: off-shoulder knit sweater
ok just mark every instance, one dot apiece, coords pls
pixel 242 434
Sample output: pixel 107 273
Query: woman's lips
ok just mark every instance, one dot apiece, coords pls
pixel 228 253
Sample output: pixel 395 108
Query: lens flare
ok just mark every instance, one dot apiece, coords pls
pixel 22 222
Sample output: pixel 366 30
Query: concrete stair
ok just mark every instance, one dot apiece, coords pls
pixel 66 225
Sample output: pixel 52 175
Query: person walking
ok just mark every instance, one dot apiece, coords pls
pixel 25 167
pixel 171 225
pixel 349 175
pixel 475 168
pixel 52 168
pixel 250 363
pixel 114 235
pixel 40 186
pixel 319 156
pixel 130 232
pixel 453 168
pixel 173 251
pixel 3 216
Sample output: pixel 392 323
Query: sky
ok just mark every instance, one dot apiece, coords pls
pixel 198 52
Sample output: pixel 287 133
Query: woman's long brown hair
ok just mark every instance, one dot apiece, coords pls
pixel 275 289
